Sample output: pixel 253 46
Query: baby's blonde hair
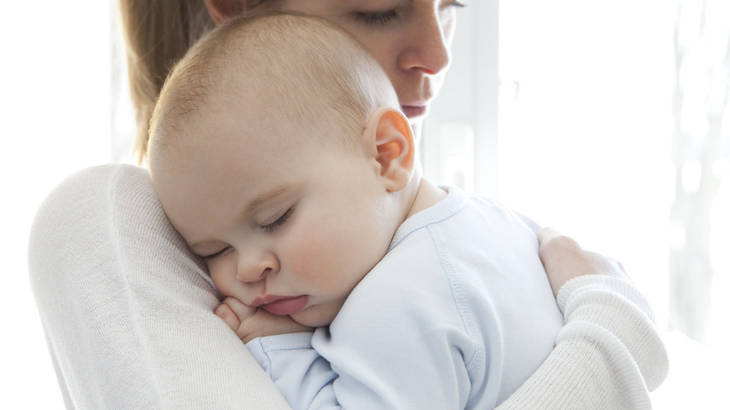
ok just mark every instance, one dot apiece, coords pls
pixel 320 71
pixel 157 33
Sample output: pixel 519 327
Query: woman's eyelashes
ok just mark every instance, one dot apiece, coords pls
pixel 279 221
pixel 377 17
pixel 452 3
pixel 386 16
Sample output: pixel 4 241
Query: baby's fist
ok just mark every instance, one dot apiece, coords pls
pixel 249 323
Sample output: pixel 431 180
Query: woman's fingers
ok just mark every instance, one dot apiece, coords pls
pixel 547 233
pixel 561 257
pixel 550 238
pixel 564 259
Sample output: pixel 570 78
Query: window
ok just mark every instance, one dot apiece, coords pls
pixel 611 123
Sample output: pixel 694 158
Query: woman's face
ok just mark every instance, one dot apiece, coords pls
pixel 411 40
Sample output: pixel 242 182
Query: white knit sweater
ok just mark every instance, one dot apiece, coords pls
pixel 127 313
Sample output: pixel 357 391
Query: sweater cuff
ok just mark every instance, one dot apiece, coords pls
pixel 602 283
pixel 614 305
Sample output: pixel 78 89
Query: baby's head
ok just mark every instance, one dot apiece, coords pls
pixel 278 152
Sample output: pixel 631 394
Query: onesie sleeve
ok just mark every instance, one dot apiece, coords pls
pixel 607 355
pixel 302 376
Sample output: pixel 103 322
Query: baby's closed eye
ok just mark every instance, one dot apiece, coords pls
pixel 281 220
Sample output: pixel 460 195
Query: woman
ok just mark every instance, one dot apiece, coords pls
pixel 128 312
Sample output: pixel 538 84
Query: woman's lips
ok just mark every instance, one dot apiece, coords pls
pixel 412 111
pixel 283 306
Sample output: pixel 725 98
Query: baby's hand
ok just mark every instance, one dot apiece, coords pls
pixel 250 323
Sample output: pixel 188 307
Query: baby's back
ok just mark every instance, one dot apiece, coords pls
pixel 500 287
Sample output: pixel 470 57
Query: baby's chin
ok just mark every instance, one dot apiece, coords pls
pixel 317 315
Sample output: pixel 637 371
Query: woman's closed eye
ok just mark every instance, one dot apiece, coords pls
pixel 386 16
pixel 452 3
pixel 377 17
pixel 281 220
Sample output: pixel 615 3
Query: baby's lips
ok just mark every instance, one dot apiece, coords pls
pixel 286 306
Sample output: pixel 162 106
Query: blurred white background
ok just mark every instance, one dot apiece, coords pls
pixel 607 120
pixel 55 119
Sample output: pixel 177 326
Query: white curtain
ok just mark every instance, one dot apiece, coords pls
pixel 701 154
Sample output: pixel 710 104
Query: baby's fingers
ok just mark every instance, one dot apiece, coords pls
pixel 233 312
pixel 226 313
pixel 242 311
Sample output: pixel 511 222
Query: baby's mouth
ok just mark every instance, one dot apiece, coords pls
pixel 281 305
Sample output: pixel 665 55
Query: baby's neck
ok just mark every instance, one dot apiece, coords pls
pixel 426 196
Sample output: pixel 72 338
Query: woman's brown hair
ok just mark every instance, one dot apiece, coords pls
pixel 157 34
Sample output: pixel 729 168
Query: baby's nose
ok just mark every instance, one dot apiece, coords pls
pixel 253 268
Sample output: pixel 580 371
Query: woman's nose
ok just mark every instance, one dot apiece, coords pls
pixel 428 50
pixel 253 267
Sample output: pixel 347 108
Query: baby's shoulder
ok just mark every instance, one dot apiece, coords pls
pixel 414 266
pixel 408 281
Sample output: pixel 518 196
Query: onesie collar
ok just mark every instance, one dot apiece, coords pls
pixel 445 208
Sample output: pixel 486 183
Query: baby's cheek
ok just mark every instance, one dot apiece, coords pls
pixel 310 258
pixel 317 255
pixel 222 272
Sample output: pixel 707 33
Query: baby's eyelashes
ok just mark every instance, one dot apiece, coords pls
pixel 216 254
pixel 281 220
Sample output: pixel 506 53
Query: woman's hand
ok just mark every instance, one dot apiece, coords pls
pixel 250 323
pixel 564 259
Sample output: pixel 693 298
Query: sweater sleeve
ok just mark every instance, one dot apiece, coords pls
pixel 608 354
pixel 127 310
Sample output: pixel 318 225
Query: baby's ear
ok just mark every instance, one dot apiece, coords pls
pixel 390 141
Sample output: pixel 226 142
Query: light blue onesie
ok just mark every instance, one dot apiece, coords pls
pixel 456 315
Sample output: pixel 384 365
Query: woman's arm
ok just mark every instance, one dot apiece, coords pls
pixel 127 310
pixel 608 354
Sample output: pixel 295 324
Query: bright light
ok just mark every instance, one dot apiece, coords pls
pixel 55 110
pixel 586 145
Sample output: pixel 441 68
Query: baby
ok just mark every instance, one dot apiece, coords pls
pixel 279 154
